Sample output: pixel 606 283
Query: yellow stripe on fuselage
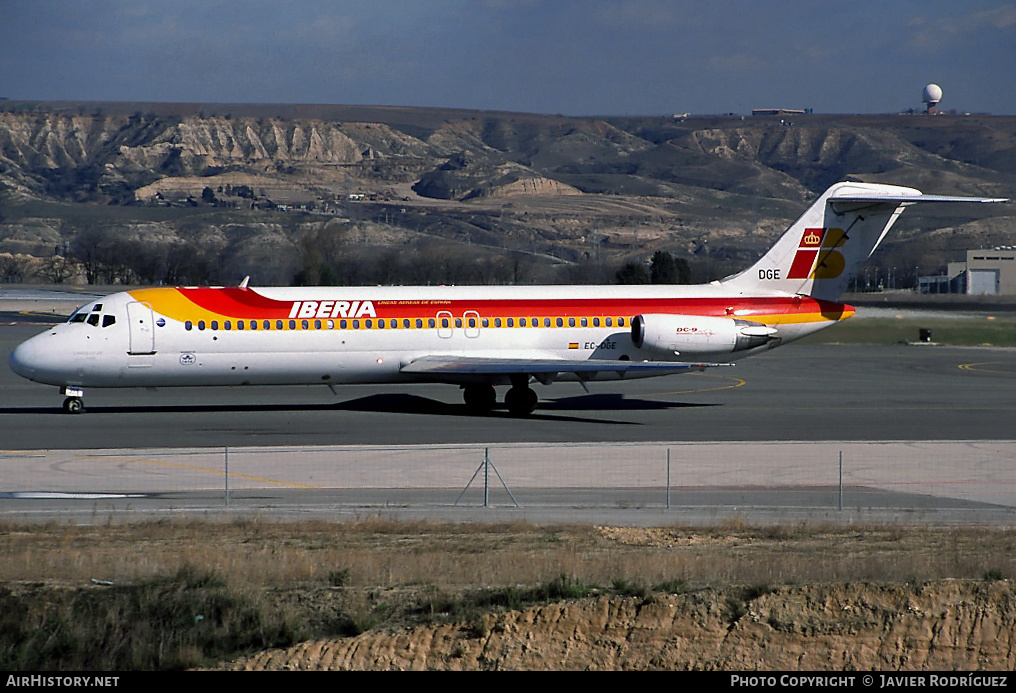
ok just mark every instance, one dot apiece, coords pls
pixel 173 305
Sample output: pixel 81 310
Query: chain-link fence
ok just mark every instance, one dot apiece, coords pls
pixel 954 481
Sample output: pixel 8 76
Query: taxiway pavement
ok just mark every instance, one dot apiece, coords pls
pixel 796 393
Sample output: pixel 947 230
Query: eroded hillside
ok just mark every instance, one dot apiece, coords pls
pixel 946 626
pixel 560 191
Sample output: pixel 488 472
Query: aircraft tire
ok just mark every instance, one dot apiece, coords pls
pixel 73 405
pixel 521 401
pixel 480 397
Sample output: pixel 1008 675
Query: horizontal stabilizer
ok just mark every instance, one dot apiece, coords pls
pixel 908 199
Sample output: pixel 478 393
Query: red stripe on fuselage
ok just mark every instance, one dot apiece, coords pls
pixel 242 303
pixel 236 302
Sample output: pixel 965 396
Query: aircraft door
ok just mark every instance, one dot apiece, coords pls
pixel 141 324
pixel 471 323
pixel 445 324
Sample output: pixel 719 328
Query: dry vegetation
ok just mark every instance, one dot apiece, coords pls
pixel 76 597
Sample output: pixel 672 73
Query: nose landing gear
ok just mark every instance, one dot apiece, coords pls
pixel 73 404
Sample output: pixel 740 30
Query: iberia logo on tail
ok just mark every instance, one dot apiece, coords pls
pixel 817 257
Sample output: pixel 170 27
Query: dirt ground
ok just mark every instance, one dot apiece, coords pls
pixel 377 594
pixel 944 626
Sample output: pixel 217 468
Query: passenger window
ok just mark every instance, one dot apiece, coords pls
pixel 228 325
pixel 444 322
pixel 546 322
pixel 304 324
pixel 201 324
pixel 343 324
pixel 430 322
pixel 560 322
pixel 292 324
pixel 419 323
pixel 278 324
pixel 472 322
pixel 585 322
pixel 188 326
pixel 356 324
pixel 239 324
pixel 458 322
pixel 317 324
pixel 108 320
pixel 405 323
pixel 380 324
pixel 368 323
pixel 620 322
pixel 330 324
pixel 596 322
pixel 497 322
pixel 485 322
pixel 522 322
pixel 511 322
pixel 608 322
pixel 215 324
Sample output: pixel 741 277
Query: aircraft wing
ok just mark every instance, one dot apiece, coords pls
pixel 469 369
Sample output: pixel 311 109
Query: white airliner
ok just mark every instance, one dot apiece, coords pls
pixel 473 337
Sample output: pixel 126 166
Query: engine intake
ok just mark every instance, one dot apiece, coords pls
pixel 698 334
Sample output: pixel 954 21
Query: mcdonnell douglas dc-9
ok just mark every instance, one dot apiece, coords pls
pixel 473 337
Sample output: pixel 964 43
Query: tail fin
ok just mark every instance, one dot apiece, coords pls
pixel 820 251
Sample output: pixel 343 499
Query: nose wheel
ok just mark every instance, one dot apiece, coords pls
pixel 73 405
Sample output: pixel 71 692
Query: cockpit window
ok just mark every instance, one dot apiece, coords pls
pixel 78 317
pixel 97 308
pixel 108 320
pixel 93 319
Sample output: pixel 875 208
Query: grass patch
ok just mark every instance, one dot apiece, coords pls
pixel 960 331
pixel 189 619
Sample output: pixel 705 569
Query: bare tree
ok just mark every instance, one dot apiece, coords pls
pixel 57 269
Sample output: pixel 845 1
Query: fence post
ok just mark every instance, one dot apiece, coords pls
pixel 841 481
pixel 486 477
pixel 668 478
pixel 227 476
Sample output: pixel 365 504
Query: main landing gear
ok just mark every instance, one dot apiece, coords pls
pixel 73 404
pixel 520 399
pixel 479 397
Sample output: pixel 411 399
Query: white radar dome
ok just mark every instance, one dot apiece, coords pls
pixel 932 94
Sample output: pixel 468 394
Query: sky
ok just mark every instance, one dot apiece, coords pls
pixel 573 57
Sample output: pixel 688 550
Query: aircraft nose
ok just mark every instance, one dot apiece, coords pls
pixel 31 359
pixel 23 359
